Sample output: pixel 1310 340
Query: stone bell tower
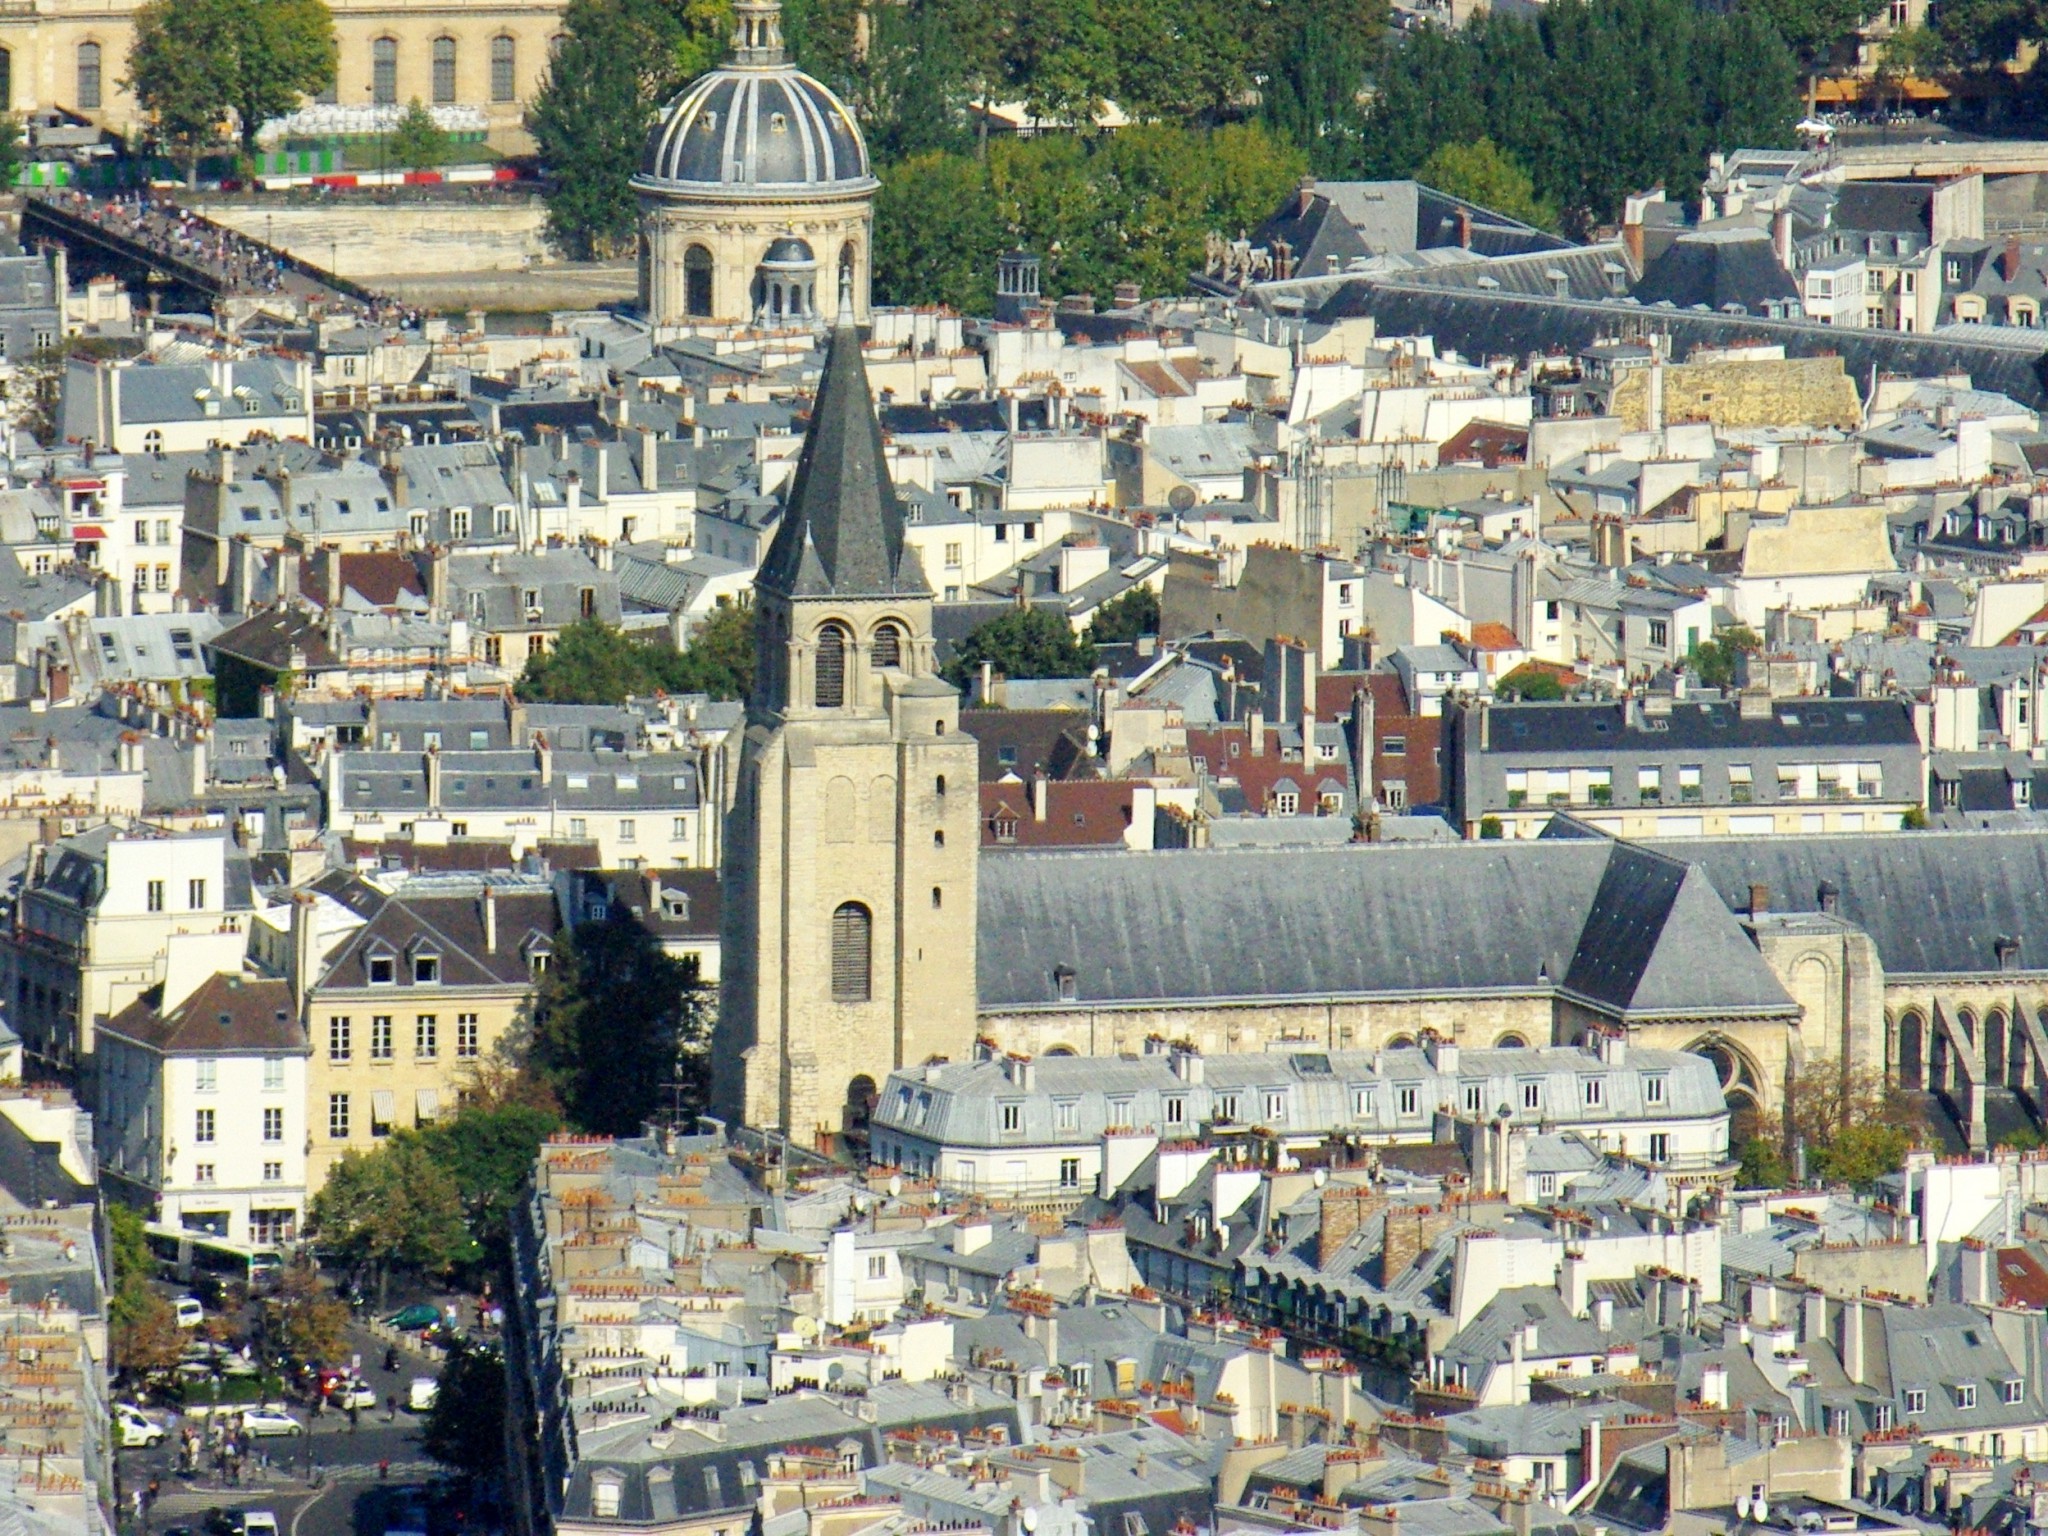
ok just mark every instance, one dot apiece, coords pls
pixel 849 876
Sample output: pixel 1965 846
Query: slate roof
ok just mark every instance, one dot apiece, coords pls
pixel 1365 919
pixel 450 926
pixel 226 1015
pixel 1483 323
pixel 1934 902
pixel 1699 725
pixel 1658 941
pixel 842 534
pixel 1719 268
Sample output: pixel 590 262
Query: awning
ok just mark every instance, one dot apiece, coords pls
pixel 428 1102
pixel 383 1106
pixel 86 533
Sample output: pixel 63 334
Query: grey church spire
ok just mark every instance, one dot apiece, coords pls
pixel 842 530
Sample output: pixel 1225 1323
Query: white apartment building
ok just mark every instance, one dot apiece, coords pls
pixel 1059 1125
pixel 96 921
pixel 202 1105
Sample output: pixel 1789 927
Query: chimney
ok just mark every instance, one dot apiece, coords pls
pixel 1829 896
pixel 490 918
pixel 1781 237
pixel 2009 259
pixel 288 573
pixel 1464 230
pixel 303 959
pixel 1714 1385
pixel 1039 796
pixel 1304 197
pixel 1255 733
pixel 1759 900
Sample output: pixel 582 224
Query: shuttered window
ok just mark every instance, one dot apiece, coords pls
pixel 852 933
pixel 888 646
pixel 831 689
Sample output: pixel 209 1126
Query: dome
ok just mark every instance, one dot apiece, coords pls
pixel 789 252
pixel 756 126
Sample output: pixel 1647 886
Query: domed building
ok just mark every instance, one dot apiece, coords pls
pixel 756 201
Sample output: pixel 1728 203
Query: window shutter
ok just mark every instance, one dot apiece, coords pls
pixel 851 942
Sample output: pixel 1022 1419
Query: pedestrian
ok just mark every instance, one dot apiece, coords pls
pixel 391 1408
pixel 391 1357
pixel 384 1467
pixel 352 1418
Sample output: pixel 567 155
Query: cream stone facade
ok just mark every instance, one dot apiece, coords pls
pixel 489 54
pixel 850 875
pixel 756 199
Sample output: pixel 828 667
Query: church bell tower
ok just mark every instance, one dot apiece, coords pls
pixel 849 920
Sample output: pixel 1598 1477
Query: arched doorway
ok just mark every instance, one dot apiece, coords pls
pixel 1909 1063
pixel 1741 1086
pixel 860 1104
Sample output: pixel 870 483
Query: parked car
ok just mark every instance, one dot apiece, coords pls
pixel 424 1390
pixel 421 1314
pixel 258 1522
pixel 133 1427
pixel 270 1421
pixel 191 1311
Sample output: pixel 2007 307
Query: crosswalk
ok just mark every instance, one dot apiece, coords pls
pixel 171 1504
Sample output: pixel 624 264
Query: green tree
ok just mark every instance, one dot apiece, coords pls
pixel 192 61
pixel 488 1151
pixel 619 61
pixel 1984 34
pixel 11 149
pixel 418 142
pixel 1480 173
pixel 597 663
pixel 394 1208
pixel 1315 60
pixel 302 1320
pixel 146 1336
pixel 1125 617
pixel 1716 660
pixel 616 1024
pixel 1763 1166
pixel 1854 1125
pixel 719 660
pixel 938 232
pixel 1814 30
pixel 465 1429
pixel 1024 642
pixel 1529 681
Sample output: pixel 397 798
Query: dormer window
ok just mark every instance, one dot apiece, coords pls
pixel 383 970
pixel 1066 982
pixel 426 968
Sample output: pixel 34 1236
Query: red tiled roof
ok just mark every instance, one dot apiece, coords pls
pixel 1079 813
pixel 1491 443
pixel 1488 636
pixel 2022 1282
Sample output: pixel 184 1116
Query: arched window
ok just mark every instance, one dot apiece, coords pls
pixel 830 692
pixel 888 647
pixel 444 71
pixel 504 69
pixel 846 269
pixel 88 77
pixel 697 281
pixel 384 71
pixel 852 936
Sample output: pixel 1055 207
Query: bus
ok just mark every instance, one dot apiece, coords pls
pixel 201 1259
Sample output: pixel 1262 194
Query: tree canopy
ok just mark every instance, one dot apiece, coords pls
pixel 1024 642
pixel 618 63
pixel 192 62
pixel 597 663
pixel 146 1335
pixel 1124 618
pixel 394 1208
pixel 1136 207
pixel 1716 660
pixel 1594 99
pixel 618 1023
pixel 418 142
pixel 1481 173
pixel 465 1429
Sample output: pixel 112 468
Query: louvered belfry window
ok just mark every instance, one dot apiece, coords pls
pixel 888 646
pixel 831 689
pixel 852 935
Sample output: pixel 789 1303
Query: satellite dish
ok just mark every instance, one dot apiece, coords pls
pixel 806 1327
pixel 1742 1505
pixel 1029 1518
pixel 895 1184
pixel 1322 1177
pixel 1181 498
pixel 1763 1512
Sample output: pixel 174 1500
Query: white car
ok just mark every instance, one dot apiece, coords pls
pixel 257 1522
pixel 134 1427
pixel 421 1397
pixel 270 1421
pixel 356 1394
pixel 191 1311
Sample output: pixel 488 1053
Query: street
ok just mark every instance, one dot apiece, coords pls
pixel 347 1500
